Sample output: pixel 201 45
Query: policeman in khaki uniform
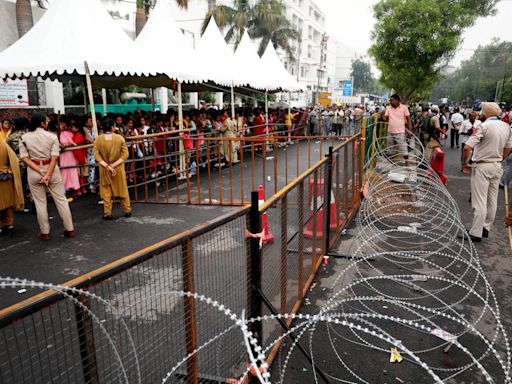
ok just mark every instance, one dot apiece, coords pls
pixel 39 150
pixel 491 145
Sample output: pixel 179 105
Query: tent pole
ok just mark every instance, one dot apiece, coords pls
pixel 84 90
pixel 181 147
pixel 152 100
pixel 104 100
pixel 91 100
pixel 289 113
pixel 266 107
pixel 180 107
pixel 232 103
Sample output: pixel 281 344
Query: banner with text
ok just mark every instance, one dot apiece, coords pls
pixel 347 88
pixel 13 93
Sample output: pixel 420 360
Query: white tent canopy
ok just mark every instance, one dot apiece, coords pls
pixel 69 34
pixel 178 60
pixel 216 57
pixel 277 75
pixel 248 65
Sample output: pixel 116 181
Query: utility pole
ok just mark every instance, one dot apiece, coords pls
pixel 298 57
pixel 320 68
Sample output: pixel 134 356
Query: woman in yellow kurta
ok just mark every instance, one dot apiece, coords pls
pixel 11 190
pixel 110 152
pixel 5 129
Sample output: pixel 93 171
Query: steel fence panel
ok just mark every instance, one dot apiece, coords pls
pixel 129 322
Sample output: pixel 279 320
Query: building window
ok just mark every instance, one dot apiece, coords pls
pixel 310 32
pixel 310 11
pixel 310 51
pixel 302 72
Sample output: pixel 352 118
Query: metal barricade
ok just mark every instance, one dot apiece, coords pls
pixel 130 321
pixel 178 168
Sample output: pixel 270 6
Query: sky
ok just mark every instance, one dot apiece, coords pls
pixel 351 22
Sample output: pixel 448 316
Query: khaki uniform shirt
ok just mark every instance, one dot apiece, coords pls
pixel 110 151
pixel 490 140
pixel 39 145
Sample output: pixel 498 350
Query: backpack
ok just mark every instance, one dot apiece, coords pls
pixel 431 128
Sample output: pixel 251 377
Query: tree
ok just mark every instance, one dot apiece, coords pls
pixel 414 39
pixel 362 75
pixel 237 19
pixel 485 76
pixel 24 18
pixel 271 25
pixel 266 20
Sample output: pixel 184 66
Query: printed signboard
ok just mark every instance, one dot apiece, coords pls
pixel 347 88
pixel 13 93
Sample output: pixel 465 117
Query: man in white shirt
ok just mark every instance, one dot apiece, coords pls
pixel 457 120
pixel 339 117
pixel 468 128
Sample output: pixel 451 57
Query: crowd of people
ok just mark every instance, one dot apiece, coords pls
pixel 78 165
pixel 65 153
pixel 486 137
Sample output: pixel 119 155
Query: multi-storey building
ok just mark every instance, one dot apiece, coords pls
pixel 314 61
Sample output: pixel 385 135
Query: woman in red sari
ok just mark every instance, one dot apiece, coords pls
pixel 80 157
pixel 260 129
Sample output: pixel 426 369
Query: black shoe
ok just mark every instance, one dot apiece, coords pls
pixel 467 236
pixel 128 214
pixel 107 217
pixel 485 233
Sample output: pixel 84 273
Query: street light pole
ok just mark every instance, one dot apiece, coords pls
pixel 320 69
pixel 298 57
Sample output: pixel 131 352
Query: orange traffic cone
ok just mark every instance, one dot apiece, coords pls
pixel 269 237
pixel 317 192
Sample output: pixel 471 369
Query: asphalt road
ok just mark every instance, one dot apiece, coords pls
pixel 24 256
pixel 495 258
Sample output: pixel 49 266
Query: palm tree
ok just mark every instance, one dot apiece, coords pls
pixel 24 19
pixel 266 20
pixel 141 15
pixel 271 25
pixel 237 19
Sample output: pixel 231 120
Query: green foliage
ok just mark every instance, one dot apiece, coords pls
pixel 362 75
pixel 207 96
pixel 480 77
pixel 266 20
pixel 414 39
pixel 377 88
